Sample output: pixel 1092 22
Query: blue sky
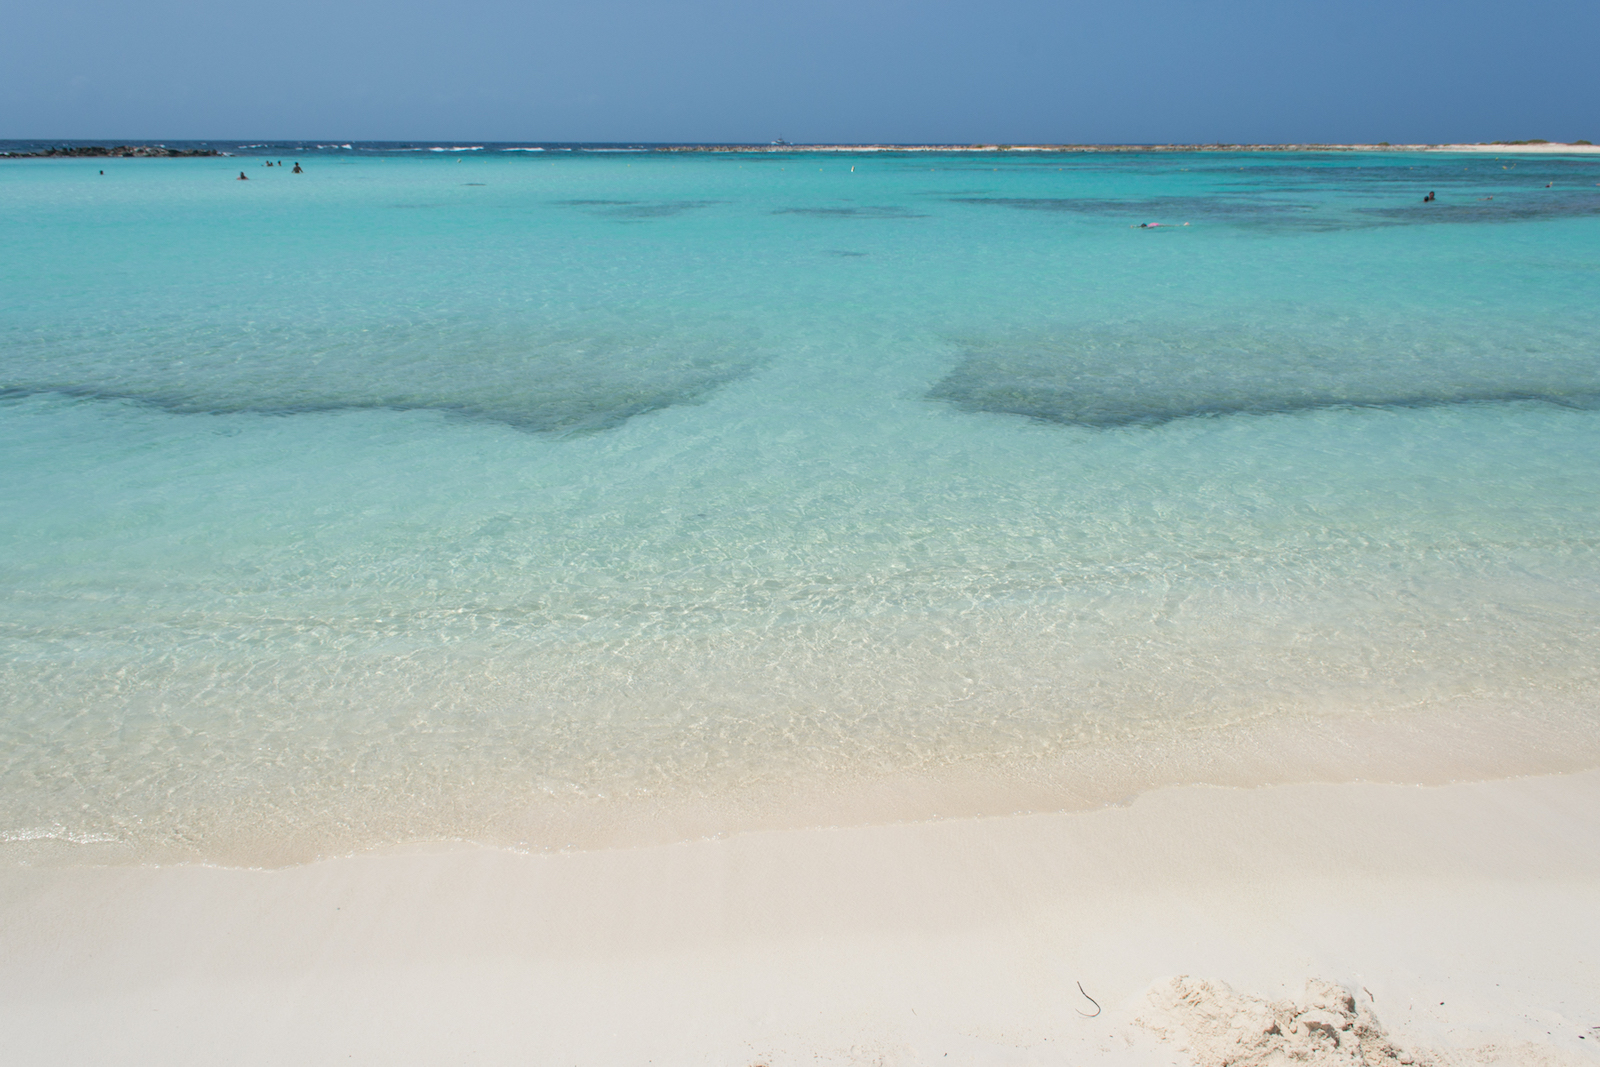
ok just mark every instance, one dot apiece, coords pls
pixel 868 70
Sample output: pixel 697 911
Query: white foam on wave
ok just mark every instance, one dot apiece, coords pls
pixel 522 150
pixel 462 148
pixel 54 833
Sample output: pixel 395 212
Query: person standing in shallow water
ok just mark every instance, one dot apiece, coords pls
pixel 297 169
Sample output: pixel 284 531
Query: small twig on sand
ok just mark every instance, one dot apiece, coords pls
pixel 1368 992
pixel 1091 1000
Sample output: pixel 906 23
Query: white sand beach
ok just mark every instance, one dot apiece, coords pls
pixel 1463 920
pixel 1551 148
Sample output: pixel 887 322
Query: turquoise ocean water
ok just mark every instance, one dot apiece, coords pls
pixel 514 495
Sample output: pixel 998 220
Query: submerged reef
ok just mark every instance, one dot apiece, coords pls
pixel 1111 379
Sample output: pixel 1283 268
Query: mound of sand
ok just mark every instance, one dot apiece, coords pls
pixel 1219 1027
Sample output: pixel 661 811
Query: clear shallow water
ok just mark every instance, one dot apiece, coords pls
pixel 447 494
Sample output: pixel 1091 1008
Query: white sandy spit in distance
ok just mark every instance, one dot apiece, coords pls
pixel 1447 925
pixel 1546 148
pixel 1552 148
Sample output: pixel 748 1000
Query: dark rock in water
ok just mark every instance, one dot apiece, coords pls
pixel 123 151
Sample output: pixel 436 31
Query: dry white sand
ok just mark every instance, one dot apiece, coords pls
pixel 1461 921
pixel 1552 148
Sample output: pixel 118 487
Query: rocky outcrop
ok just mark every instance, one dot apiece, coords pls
pixel 122 151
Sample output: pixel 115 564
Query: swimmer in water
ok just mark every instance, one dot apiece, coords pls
pixel 297 169
pixel 1428 199
pixel 243 176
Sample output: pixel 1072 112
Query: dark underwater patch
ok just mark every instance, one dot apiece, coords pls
pixel 560 385
pixel 1535 206
pixel 884 211
pixel 1472 205
pixel 1108 382
pixel 566 418
pixel 636 210
pixel 1180 208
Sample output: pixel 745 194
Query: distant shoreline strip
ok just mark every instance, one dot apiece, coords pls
pixel 141 151
pixel 1538 147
